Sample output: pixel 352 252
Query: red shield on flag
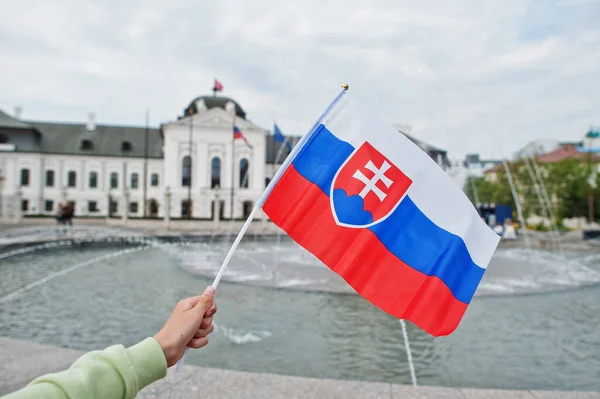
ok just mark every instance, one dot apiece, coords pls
pixel 367 188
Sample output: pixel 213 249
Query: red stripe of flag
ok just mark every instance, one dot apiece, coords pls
pixel 303 210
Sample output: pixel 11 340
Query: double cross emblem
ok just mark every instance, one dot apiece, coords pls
pixel 371 184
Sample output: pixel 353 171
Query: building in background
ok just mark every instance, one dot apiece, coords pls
pixel 190 167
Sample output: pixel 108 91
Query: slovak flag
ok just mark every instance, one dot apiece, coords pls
pixel 237 134
pixel 379 212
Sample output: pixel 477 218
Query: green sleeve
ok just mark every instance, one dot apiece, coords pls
pixel 115 372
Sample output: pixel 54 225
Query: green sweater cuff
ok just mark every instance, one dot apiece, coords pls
pixel 149 361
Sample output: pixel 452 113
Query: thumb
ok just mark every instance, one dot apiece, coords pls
pixel 205 301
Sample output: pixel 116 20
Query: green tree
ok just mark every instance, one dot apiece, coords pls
pixel 567 183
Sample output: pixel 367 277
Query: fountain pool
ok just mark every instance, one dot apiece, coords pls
pixel 533 324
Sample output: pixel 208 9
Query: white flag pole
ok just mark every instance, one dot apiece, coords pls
pixel 411 365
pixel 263 197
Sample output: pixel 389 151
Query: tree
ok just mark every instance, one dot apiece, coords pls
pixel 566 181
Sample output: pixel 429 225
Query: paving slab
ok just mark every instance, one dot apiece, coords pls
pixel 23 361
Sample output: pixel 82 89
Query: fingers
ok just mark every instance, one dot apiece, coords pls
pixel 197 343
pixel 206 322
pixel 200 302
pixel 212 310
pixel 205 301
pixel 203 332
pixel 187 303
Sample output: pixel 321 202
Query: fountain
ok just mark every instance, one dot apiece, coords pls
pixel 283 311
pixel 517 201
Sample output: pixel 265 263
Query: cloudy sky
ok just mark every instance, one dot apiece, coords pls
pixel 470 76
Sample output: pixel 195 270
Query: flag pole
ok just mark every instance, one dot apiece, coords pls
pixel 232 163
pixel 411 365
pixel 263 197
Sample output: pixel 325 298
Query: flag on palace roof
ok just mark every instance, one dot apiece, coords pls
pixel 237 134
pixel 377 210
pixel 280 138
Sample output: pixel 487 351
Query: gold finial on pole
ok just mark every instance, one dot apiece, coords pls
pixel 345 86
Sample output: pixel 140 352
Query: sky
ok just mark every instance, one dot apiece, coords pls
pixel 468 76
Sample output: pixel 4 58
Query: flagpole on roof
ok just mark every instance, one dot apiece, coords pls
pixel 263 197
pixel 146 138
pixel 190 144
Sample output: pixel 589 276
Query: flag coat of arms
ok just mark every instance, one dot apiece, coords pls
pixel 379 212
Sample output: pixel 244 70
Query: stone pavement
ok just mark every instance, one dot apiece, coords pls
pixel 22 361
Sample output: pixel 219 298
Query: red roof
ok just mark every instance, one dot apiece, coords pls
pixel 566 151
pixel 494 169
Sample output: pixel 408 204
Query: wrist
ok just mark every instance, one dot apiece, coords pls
pixel 168 348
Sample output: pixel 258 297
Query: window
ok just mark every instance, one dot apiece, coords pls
pixel 114 206
pixel 215 172
pixel 247 208
pixel 49 178
pixel 86 145
pixel 93 179
pixel 114 180
pixel 72 179
pixel 186 171
pixel 126 146
pixel 24 205
pixel 92 206
pixel 133 207
pixel 24 177
pixel 48 205
pixel 244 173
pixel 3 139
pixel 134 180
pixel 154 180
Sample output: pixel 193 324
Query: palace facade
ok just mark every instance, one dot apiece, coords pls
pixel 189 167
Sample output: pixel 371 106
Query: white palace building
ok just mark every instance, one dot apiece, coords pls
pixel 188 168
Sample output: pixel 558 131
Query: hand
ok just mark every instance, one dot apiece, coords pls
pixel 189 325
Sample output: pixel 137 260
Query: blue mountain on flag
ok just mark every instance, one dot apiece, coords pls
pixel 350 209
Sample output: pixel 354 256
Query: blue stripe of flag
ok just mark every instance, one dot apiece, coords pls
pixel 407 233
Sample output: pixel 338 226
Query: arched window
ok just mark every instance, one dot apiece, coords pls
pixel 186 171
pixel 154 180
pixel 134 180
pixel 25 177
pixel 114 180
pixel 215 172
pixel 93 179
pixel 86 145
pixel 71 178
pixel 126 146
pixel 49 178
pixel 244 173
